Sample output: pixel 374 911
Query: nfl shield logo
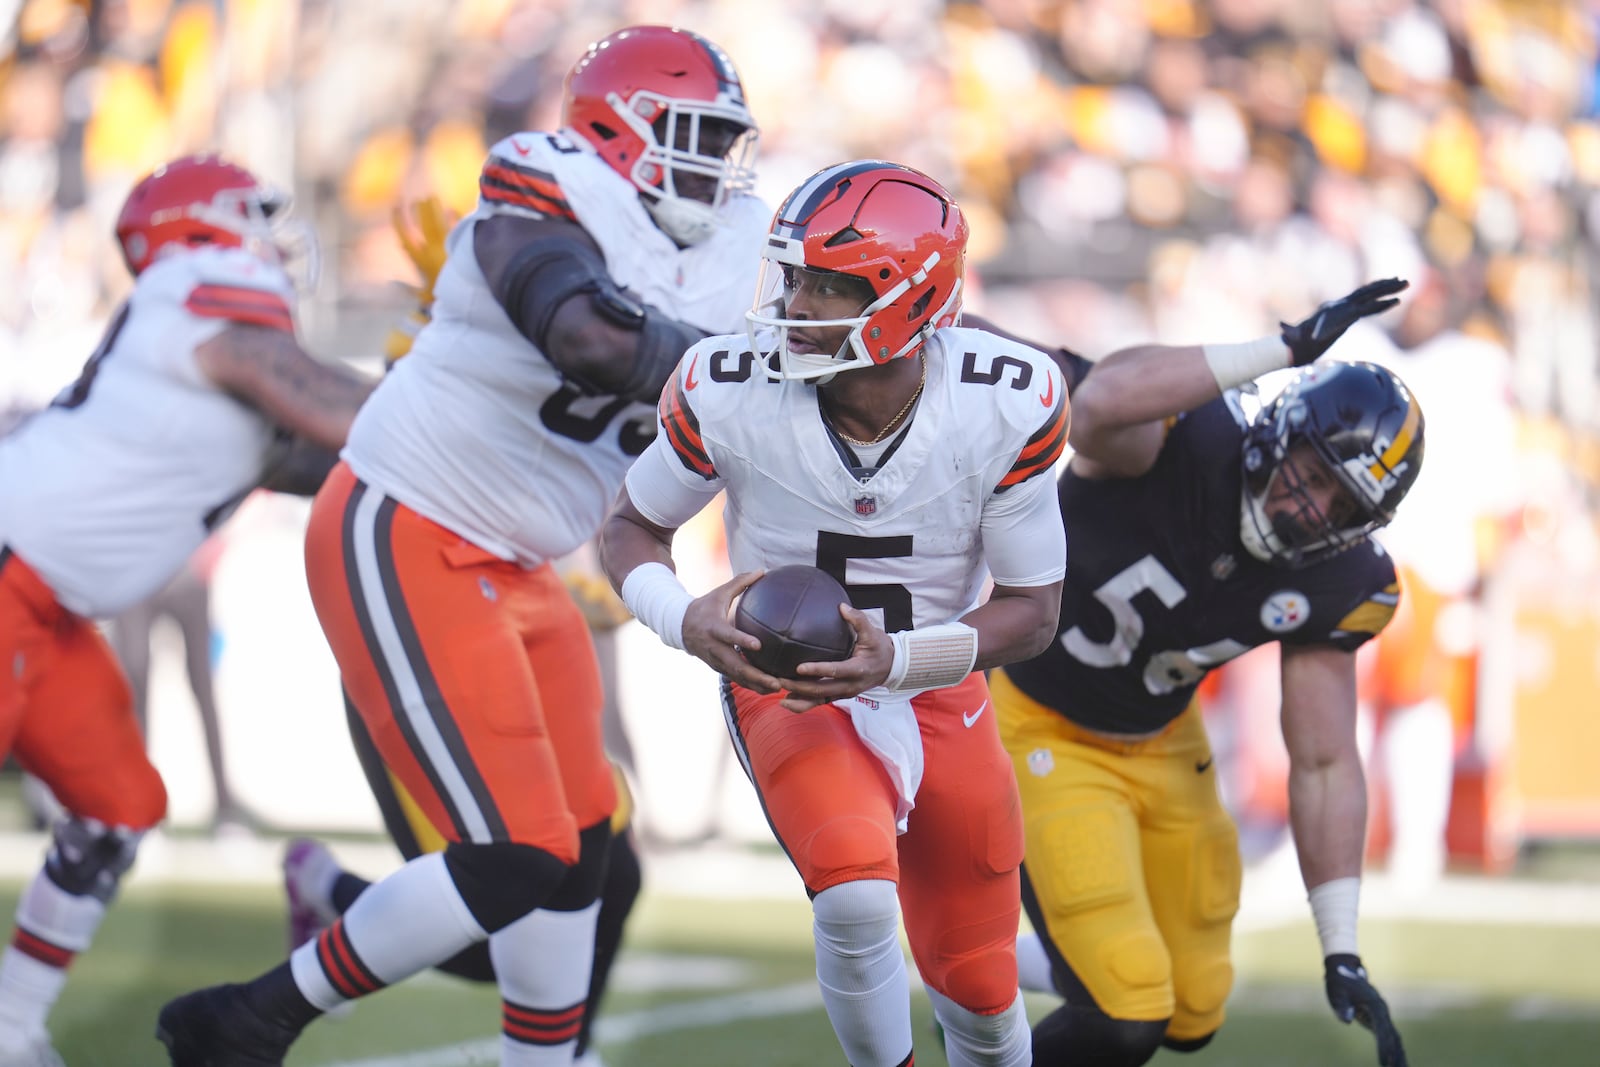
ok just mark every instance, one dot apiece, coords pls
pixel 866 505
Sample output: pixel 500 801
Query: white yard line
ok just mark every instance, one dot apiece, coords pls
pixel 629 1026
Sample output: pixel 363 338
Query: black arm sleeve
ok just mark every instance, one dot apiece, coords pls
pixel 547 273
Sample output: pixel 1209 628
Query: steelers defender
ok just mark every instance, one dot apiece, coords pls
pixel 1197 532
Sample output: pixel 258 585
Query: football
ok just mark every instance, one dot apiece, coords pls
pixel 794 610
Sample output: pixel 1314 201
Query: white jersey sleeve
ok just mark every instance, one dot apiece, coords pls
pixel 109 490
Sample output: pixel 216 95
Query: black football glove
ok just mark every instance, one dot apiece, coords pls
pixel 1311 337
pixel 1352 997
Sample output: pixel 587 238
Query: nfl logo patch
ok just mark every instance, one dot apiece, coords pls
pixel 866 505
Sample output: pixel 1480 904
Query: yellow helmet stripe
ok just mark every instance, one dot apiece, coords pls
pixel 1402 441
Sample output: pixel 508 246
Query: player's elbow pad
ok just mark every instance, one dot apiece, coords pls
pixel 548 273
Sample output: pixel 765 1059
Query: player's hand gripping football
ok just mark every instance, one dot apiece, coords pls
pixel 1311 337
pixel 421 228
pixel 1353 998
pixel 824 682
pixel 710 635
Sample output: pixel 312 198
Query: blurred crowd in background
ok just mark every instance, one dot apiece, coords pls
pixel 1176 170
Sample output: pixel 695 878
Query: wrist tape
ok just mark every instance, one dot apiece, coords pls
pixel 932 657
pixel 1234 364
pixel 656 597
pixel 1334 904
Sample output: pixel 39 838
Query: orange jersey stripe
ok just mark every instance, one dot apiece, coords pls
pixel 1042 449
pixel 254 306
pixel 506 183
pixel 683 430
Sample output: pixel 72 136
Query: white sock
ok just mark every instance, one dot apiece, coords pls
pixel 973 1040
pixel 543 962
pixel 409 921
pixel 1033 966
pixel 862 971
pixel 53 926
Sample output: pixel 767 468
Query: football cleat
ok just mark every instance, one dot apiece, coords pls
pixel 216 1027
pixel 308 870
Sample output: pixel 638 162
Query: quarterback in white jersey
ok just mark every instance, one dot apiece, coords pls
pixel 596 257
pixel 189 403
pixel 856 428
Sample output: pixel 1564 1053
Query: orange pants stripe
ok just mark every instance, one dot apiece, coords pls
pixel 65 709
pixel 475 677
pixel 831 806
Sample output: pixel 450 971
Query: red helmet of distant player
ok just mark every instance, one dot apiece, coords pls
pixel 198 201
pixel 665 108
pixel 893 227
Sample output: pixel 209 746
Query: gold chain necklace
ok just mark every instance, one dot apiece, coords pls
pixel 893 423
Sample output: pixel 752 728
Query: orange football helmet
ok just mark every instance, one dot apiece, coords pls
pixel 893 227
pixel 196 201
pixel 665 108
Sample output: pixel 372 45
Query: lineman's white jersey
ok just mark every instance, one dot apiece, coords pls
pixel 909 543
pixel 475 428
pixel 110 489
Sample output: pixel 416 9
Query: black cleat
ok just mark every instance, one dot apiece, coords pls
pixel 216 1027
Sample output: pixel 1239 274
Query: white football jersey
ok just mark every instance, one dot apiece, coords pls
pixel 907 543
pixel 110 489
pixel 475 428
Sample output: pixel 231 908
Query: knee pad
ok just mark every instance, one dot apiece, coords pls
pixel 1178 1044
pixel 848 845
pixel 1201 987
pixel 583 881
pixel 1076 1035
pixel 88 858
pixel 503 881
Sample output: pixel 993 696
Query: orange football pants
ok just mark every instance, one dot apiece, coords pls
pixel 831 805
pixel 475 677
pixel 65 709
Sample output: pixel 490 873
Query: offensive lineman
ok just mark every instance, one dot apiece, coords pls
pixel 598 254
pixel 187 405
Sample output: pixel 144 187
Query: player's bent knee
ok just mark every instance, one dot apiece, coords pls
pixel 503 881
pixel 846 846
pixel 88 858
pixel 582 884
pixel 1189 1044
pixel 1202 997
pixel 1079 1034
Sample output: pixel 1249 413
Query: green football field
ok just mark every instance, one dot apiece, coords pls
pixel 719 981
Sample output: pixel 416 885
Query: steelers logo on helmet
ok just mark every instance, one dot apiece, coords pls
pixel 1327 462
pixel 890 229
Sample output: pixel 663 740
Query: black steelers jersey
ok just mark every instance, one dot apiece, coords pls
pixel 1160 590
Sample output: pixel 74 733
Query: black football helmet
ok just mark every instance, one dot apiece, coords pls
pixel 1366 428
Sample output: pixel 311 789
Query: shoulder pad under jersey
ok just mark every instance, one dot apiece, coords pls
pixel 223 283
pixel 520 177
pixel 713 379
pixel 1025 388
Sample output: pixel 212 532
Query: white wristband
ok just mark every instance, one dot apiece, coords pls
pixel 1235 364
pixel 932 657
pixel 657 599
pixel 1334 904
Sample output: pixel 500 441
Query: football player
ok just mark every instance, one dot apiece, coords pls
pixel 597 255
pixel 189 403
pixel 1199 531
pixel 319 890
pixel 856 427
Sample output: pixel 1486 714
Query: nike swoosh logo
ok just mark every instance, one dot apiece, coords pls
pixel 689 381
pixel 970 717
pixel 1358 975
pixel 522 150
pixel 1201 766
pixel 1049 395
